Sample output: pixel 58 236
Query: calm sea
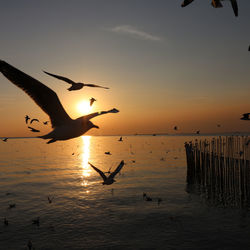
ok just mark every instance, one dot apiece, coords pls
pixel 84 214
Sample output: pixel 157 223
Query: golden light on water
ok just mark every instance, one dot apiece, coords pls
pixel 86 169
pixel 84 107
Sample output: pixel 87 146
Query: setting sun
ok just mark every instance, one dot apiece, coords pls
pixel 84 107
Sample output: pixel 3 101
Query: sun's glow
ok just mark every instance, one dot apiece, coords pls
pixel 86 169
pixel 84 107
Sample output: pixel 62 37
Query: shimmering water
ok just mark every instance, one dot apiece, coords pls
pixel 84 214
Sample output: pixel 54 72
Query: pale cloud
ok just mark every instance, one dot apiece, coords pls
pixel 132 31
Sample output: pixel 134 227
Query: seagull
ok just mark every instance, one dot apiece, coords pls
pixel 245 117
pixel 107 153
pixel 5 139
pixel 26 119
pixel 33 129
pixel 92 100
pixel 36 221
pixel 175 128
pixel 50 199
pixel 74 85
pixel 110 179
pixel 120 139
pixel 216 4
pixel 34 120
pixel 198 132
pixel 64 127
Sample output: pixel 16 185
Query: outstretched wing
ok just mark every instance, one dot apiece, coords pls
pixel 235 7
pixel 94 85
pixel 98 171
pixel 60 77
pixel 186 2
pixel 117 170
pixel 43 96
pixel 34 120
pixel 90 116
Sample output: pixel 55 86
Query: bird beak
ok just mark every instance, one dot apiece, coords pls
pixel 95 126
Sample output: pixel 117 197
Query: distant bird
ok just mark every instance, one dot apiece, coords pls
pixel 50 199
pixel 6 222
pixel 110 179
pixel 64 127
pixel 215 4
pixel 198 132
pixel 33 129
pixel 26 119
pixel 74 85
pixel 218 125
pixel 12 205
pixel 92 100
pixel 245 117
pixel 45 123
pixel 175 128
pixel 107 153
pixel 34 120
pixel 120 139
pixel 5 139
pixel 159 200
pixel 36 221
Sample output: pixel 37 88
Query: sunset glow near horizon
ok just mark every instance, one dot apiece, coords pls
pixel 165 65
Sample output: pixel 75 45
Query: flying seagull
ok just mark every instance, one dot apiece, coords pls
pixel 5 139
pixel 64 127
pixel 245 117
pixel 92 100
pixel 120 139
pixel 34 120
pixel 74 85
pixel 33 129
pixel 110 179
pixel 216 4
pixel 26 119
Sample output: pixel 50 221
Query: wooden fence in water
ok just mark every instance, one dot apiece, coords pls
pixel 219 170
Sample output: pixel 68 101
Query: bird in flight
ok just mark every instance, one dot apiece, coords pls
pixel 34 120
pixel 245 117
pixel 216 4
pixel 5 139
pixel 64 127
pixel 175 128
pixel 26 119
pixel 120 139
pixel 33 129
pixel 92 100
pixel 74 85
pixel 110 179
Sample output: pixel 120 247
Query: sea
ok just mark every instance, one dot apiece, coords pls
pixel 55 185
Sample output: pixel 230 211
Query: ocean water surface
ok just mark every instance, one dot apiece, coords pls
pixel 84 214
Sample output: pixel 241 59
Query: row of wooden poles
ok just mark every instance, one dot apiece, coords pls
pixel 218 169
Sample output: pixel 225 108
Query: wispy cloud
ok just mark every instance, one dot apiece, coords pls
pixel 132 31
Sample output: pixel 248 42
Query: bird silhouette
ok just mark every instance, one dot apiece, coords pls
pixel 245 117
pixel 107 153
pixel 175 128
pixel 198 132
pixel 5 139
pixel 50 199
pixel 74 85
pixel 26 119
pixel 45 123
pixel 92 100
pixel 34 120
pixel 33 129
pixel 216 4
pixel 110 179
pixel 120 139
pixel 64 127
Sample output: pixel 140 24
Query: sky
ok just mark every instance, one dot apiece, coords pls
pixel 165 65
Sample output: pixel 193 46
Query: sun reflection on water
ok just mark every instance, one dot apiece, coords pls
pixel 86 170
